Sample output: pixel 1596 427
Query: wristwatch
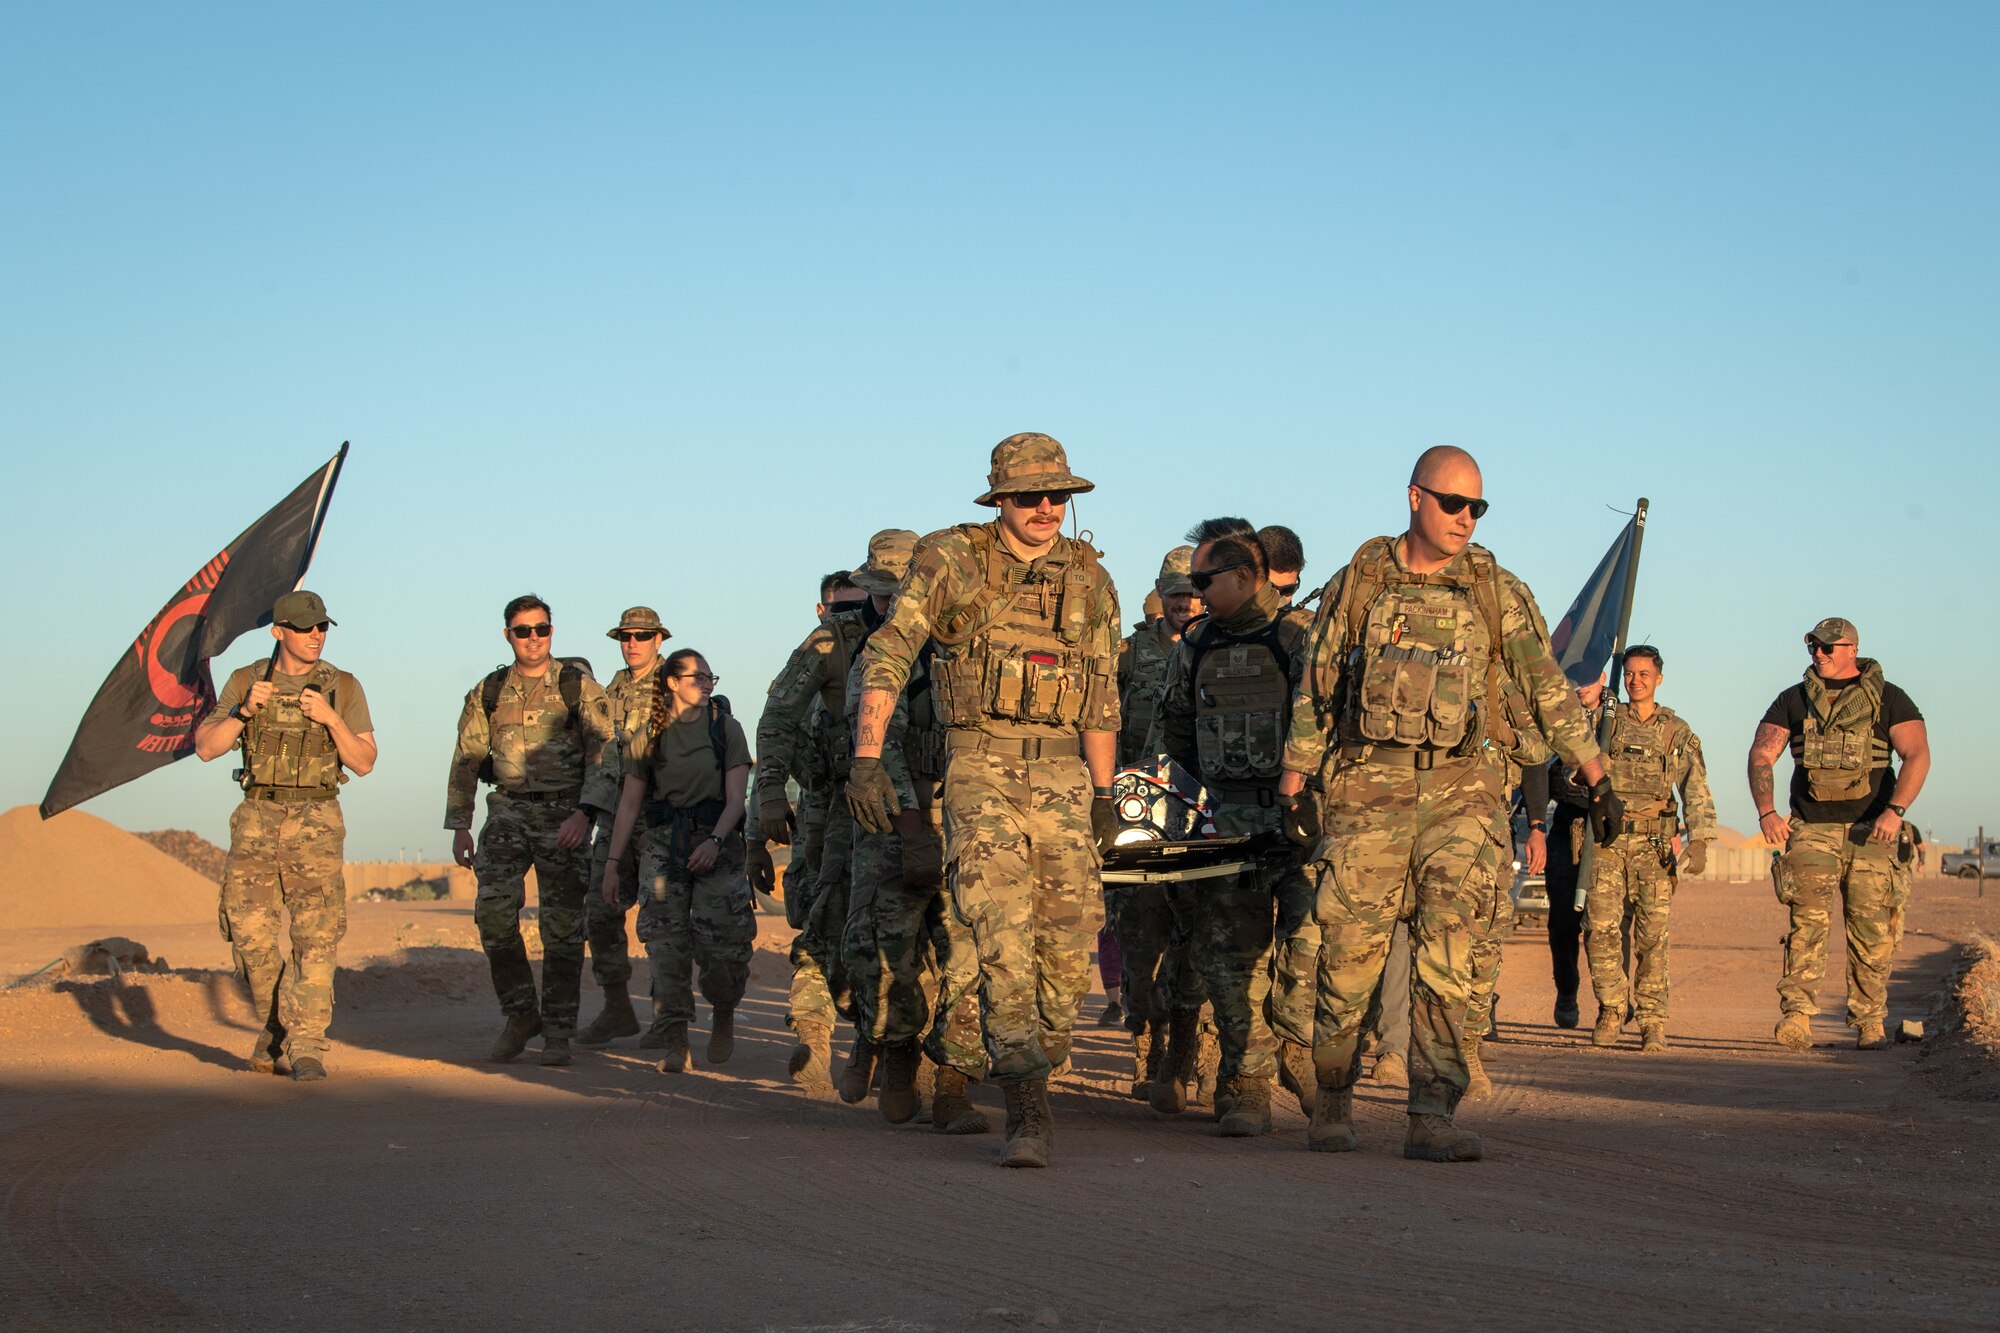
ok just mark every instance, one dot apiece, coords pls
pixel 1538 825
pixel 1902 811
pixel 715 838
pixel 236 711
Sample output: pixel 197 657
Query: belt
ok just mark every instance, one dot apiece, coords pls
pixel 1034 747
pixel 1397 756
pixel 289 794
pixel 1653 828
pixel 567 796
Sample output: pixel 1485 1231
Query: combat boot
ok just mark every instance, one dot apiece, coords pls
pixel 264 1051
pixel 1567 1013
pixel 1652 1036
pixel 1609 1025
pixel 898 1099
pixel 1872 1037
pixel 1795 1031
pixel 1433 1138
pixel 513 1038
pixel 1478 1087
pixel 926 1089
pixel 556 1052
pixel 1249 1109
pixel 655 1036
pixel 674 1053
pixel 811 1065
pixel 1148 1048
pixel 1296 1075
pixel 722 1034
pixel 859 1076
pixel 952 1111
pixel 1030 1136
pixel 307 1069
pixel 1208 1061
pixel 1332 1127
pixel 1170 1077
pixel 615 1020
pixel 1391 1067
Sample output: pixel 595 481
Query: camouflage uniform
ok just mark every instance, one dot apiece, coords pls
pixel 1632 880
pixel 285 846
pixel 1396 707
pixel 1025 659
pixel 1229 686
pixel 631 704
pixel 546 765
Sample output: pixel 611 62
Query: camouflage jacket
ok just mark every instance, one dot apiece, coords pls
pixel 631 703
pixel 1324 714
pixel 1652 759
pixel 1045 647
pixel 1143 656
pixel 531 746
pixel 815 673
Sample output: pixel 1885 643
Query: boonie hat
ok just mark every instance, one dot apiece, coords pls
pixel 889 553
pixel 300 610
pixel 1026 463
pixel 1174 572
pixel 1832 630
pixel 638 617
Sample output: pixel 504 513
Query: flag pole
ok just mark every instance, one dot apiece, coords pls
pixel 312 541
pixel 1587 858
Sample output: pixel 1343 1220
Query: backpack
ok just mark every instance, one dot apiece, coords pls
pixel 570 674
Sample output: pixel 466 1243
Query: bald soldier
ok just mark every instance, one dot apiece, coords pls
pixel 1425 657
pixel 1025 623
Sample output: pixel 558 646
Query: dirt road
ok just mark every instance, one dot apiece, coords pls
pixel 148 1180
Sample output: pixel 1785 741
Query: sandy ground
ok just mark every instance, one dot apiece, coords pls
pixel 149 1179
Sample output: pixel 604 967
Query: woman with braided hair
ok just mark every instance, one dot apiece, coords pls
pixel 689 769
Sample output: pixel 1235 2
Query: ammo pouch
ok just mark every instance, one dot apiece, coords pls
pixel 1414 696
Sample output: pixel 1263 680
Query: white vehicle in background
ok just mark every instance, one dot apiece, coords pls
pixel 1969 864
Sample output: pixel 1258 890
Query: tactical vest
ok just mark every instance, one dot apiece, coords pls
pixel 282 748
pixel 1016 651
pixel 1410 676
pixel 1640 758
pixel 1242 700
pixel 1840 747
pixel 923 734
pixel 1148 651
pixel 570 673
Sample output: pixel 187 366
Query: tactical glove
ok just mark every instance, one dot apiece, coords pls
pixel 1299 817
pixel 1694 858
pixel 1607 813
pixel 1103 822
pixel 774 820
pixel 923 859
pixel 871 797
pixel 757 864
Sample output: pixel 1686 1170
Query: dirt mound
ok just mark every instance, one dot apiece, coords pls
pixel 191 850
pixel 1962 1052
pixel 78 870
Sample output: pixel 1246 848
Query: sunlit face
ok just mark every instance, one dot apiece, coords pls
pixel 1033 520
pixel 640 649
pixel 692 682
pixel 302 645
pixel 1642 677
pixel 1446 486
pixel 1834 661
pixel 1231 582
pixel 1589 695
pixel 530 634
pixel 1177 608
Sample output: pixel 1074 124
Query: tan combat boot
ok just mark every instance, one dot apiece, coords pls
pixel 722 1034
pixel 1653 1037
pixel 859 1075
pixel 1478 1087
pixel 556 1052
pixel 952 1111
pixel 615 1020
pixel 898 1099
pixel 1249 1109
pixel 811 1065
pixel 1433 1138
pixel 1296 1075
pixel 265 1050
pixel 1391 1068
pixel 1332 1127
pixel 1610 1022
pixel 674 1054
pixel 513 1038
pixel 1207 1064
pixel 1872 1037
pixel 1030 1136
pixel 1148 1050
pixel 1794 1031
pixel 1170 1076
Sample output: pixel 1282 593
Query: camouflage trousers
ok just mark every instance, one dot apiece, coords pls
pixel 1486 954
pixel 287 853
pixel 1631 895
pixel 1256 945
pixel 519 835
pixel 1157 947
pixel 603 924
pixel 1025 878
pixel 808 840
pixel 687 920
pixel 1834 867
pixel 910 964
pixel 820 992
pixel 1415 844
pixel 1390 1028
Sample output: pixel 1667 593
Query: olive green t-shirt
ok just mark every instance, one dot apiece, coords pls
pixel 680 762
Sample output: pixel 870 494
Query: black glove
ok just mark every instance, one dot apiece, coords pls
pixel 1103 822
pixel 1299 817
pixel 871 797
pixel 774 820
pixel 1607 813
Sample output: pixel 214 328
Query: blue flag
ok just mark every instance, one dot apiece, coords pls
pixel 1588 632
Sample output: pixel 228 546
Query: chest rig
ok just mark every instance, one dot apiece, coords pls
pixel 1642 758
pixel 1242 686
pixel 1016 651
pixel 282 748
pixel 1840 746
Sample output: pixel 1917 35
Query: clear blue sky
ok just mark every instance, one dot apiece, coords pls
pixel 676 304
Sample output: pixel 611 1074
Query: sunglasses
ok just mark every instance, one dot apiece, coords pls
pixel 700 678
pixel 1284 589
pixel 1202 579
pixel 1033 499
pixel 541 631
pixel 1818 649
pixel 1451 504
pixel 320 628
pixel 637 635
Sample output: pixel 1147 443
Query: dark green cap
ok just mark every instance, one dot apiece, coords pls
pixel 300 610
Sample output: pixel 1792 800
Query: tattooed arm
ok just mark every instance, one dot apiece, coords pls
pixel 1764 751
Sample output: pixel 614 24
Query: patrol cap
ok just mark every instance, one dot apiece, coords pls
pixel 1174 572
pixel 1026 463
pixel 300 610
pixel 889 553
pixel 638 617
pixel 1832 630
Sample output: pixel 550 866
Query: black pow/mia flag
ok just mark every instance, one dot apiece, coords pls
pixel 146 711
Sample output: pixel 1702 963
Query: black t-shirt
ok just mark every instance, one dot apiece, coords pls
pixel 1789 711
